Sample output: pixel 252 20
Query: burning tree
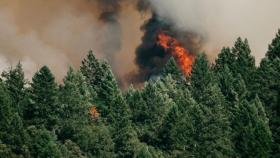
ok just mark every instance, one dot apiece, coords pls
pixel 183 57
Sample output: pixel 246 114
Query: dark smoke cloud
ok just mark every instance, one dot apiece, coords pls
pixel 58 33
pixel 150 57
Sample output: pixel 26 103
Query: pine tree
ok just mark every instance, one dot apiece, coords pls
pixel 15 83
pixel 43 108
pixel 245 62
pixel 6 111
pixel 42 143
pixel 177 132
pixel 172 69
pixel 201 76
pixel 226 57
pixel 100 77
pixel 252 134
pixel 75 99
pixel 90 68
pixel 274 48
pixel 95 141
pixel 213 129
pixel 111 104
pixel 137 105
pixel 267 87
pixel 75 95
pixel 226 83
pixel 158 103
pixel 238 59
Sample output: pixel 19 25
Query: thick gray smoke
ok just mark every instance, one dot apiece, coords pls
pixel 59 33
pixel 222 21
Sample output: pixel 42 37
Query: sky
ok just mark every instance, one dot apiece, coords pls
pixel 59 33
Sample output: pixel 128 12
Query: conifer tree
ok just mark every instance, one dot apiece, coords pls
pixel 136 104
pixel 15 83
pixel 245 62
pixel 100 77
pixel 267 86
pixel 172 69
pixel 158 103
pixel 75 99
pixel 111 104
pixel 95 141
pixel 225 57
pixel 178 129
pixel 214 123
pixel 201 76
pixel 12 132
pixel 274 48
pixel 90 68
pixel 226 83
pixel 42 143
pixel 252 136
pixel 43 108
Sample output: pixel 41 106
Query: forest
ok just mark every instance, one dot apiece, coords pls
pixel 228 108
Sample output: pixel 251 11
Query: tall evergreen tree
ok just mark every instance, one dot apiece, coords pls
pixel 267 86
pixel 201 76
pixel 113 106
pixel 75 99
pixel 15 83
pixel 239 60
pixel 214 123
pixel 178 129
pixel 12 132
pixel 252 134
pixel 90 68
pixel 158 103
pixel 100 77
pixel 274 48
pixel 226 83
pixel 43 108
pixel 42 143
pixel 95 141
pixel 213 129
pixel 226 57
pixel 172 69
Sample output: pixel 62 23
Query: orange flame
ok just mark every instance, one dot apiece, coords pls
pixel 94 113
pixel 183 57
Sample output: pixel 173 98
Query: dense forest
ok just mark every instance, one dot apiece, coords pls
pixel 227 109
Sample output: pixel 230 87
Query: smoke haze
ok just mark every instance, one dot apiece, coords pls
pixel 220 22
pixel 59 33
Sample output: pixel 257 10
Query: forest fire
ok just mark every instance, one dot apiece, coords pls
pixel 183 57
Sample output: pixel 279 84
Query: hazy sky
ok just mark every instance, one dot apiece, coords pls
pixel 60 32
pixel 222 21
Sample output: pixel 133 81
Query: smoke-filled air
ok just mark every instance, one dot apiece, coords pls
pixel 139 79
pixel 59 33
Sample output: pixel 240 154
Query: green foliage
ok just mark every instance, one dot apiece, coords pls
pixel 252 136
pixel 43 108
pixel 75 100
pixel 274 48
pixel 172 69
pixel 228 109
pixel 15 83
pixel 42 143
pixel 95 141
pixel 157 105
pixel 201 76
pixel 267 86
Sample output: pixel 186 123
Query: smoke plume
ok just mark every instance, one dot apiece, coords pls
pixel 221 22
pixel 59 33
